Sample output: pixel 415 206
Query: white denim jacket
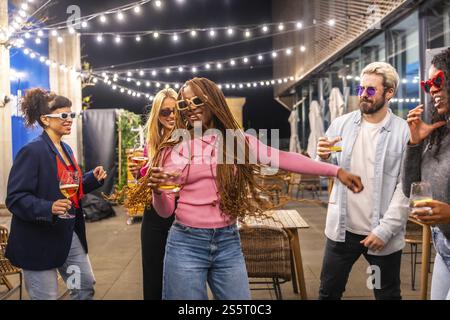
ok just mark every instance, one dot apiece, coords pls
pixel 390 209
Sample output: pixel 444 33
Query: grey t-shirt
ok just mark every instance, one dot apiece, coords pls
pixel 421 165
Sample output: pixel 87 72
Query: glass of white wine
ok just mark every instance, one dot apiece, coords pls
pixel 337 147
pixel 173 183
pixel 68 185
pixel 420 192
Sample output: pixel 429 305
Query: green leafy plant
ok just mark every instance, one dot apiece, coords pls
pixel 126 122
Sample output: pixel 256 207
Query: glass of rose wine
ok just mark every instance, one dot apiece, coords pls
pixel 68 185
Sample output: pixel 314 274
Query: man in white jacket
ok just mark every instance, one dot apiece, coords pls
pixel 371 223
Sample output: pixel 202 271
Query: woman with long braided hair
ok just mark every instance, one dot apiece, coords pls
pixel 428 159
pixel 218 188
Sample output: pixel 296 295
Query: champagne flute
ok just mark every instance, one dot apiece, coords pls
pixel 420 192
pixel 68 185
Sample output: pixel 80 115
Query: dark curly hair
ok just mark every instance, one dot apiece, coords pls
pixel 38 102
pixel 440 61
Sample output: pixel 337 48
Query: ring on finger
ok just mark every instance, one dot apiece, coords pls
pixel 430 212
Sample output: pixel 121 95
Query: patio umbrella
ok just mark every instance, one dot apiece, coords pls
pixel 294 142
pixel 336 104
pixel 316 126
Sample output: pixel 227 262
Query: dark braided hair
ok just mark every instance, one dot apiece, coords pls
pixel 38 102
pixel 440 61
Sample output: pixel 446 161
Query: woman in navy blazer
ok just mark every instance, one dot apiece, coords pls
pixel 41 243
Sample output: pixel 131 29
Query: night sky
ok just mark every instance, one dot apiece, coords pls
pixel 260 111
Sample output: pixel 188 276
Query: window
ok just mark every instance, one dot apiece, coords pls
pixel 438 24
pixel 403 54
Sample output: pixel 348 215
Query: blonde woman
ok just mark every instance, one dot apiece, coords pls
pixel 155 228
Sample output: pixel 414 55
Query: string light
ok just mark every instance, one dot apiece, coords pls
pixel 230 62
pixel 247 31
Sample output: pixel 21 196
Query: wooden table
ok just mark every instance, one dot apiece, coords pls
pixel 426 251
pixel 290 221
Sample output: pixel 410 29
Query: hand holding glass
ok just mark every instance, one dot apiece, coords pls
pixel 173 181
pixel 69 184
pixel 335 143
pixel 420 192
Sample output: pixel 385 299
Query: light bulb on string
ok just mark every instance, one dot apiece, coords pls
pixel 137 9
pixel 247 34
pixel 230 31
pixel 138 38
pixel 265 29
pixel 260 58
pixel 158 4
pixel 120 16
pixel 281 27
pixel 155 35
pixel 103 18
pixel 99 38
pixel 193 33
pixel 212 33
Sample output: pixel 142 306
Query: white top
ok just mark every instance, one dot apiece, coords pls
pixel 360 206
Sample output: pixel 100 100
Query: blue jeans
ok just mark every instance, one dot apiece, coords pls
pixel 76 273
pixel 440 283
pixel 196 256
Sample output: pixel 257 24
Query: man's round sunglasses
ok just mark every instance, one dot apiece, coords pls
pixel 437 81
pixel 185 103
pixel 371 91
pixel 62 116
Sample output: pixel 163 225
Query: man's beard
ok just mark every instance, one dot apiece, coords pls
pixel 372 108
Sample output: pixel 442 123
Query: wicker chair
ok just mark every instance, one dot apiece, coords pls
pixel 267 255
pixel 6 268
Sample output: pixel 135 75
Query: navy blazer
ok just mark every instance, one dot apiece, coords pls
pixel 38 239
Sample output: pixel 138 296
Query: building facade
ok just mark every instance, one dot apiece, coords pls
pixel 338 38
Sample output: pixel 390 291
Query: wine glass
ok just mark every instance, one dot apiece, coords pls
pixel 337 147
pixel 68 185
pixel 137 157
pixel 173 182
pixel 420 192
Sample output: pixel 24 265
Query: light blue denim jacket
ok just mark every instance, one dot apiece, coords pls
pixel 390 209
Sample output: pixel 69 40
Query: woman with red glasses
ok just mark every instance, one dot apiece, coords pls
pixel 203 245
pixel 428 159
pixel 47 230
pixel 154 228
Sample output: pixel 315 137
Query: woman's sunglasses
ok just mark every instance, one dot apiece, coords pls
pixel 62 116
pixel 437 81
pixel 185 103
pixel 166 112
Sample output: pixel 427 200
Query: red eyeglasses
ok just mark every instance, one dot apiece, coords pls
pixel 437 81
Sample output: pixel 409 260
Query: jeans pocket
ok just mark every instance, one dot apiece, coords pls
pixel 181 227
